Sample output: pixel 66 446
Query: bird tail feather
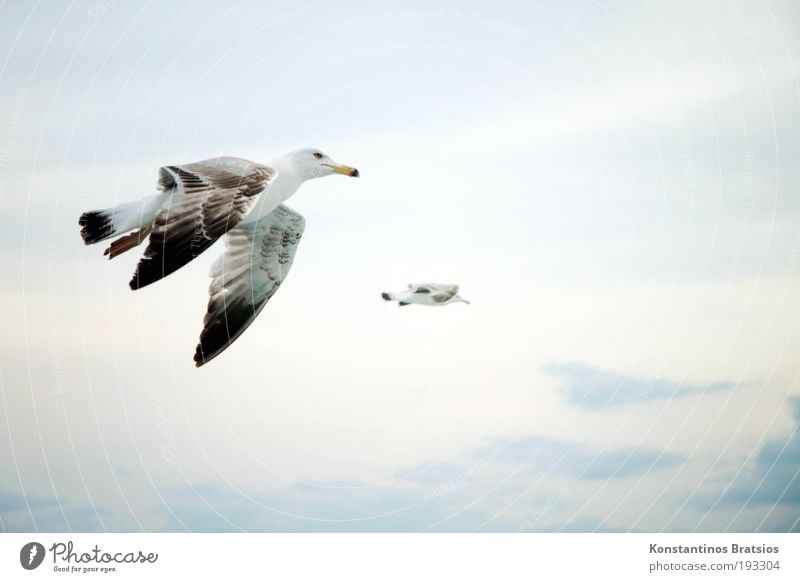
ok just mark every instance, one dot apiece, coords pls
pixel 96 225
pixel 99 225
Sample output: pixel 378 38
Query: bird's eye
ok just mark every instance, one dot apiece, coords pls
pixel 318 155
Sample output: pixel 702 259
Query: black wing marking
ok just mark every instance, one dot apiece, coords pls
pixel 210 198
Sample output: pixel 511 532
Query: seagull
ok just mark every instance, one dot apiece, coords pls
pixel 433 294
pixel 200 203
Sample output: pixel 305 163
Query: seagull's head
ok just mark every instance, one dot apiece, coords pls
pixel 313 163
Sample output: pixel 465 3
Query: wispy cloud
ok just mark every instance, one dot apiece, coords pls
pixel 359 507
pixel 589 387
pixel 534 470
pixel 579 461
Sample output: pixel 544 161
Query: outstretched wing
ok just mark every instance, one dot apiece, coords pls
pixel 257 258
pixel 444 294
pixel 209 198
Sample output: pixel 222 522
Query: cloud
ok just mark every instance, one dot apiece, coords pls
pixel 404 506
pixel 588 387
pixel 470 492
pixel 538 456
pixel 589 524
pixel 763 495
pixel 578 461
pixel 14 502
pixel 300 507
pixel 20 513
pixel 774 478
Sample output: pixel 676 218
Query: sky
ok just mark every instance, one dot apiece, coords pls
pixel 613 186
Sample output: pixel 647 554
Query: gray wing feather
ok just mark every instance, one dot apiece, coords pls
pixel 257 259
pixel 445 294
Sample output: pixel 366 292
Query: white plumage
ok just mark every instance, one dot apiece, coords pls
pixel 431 294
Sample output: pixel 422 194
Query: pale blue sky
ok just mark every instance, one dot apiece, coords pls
pixel 613 185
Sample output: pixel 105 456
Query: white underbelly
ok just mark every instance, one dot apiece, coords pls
pixel 418 298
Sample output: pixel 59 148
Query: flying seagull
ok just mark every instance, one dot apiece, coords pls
pixel 426 294
pixel 198 204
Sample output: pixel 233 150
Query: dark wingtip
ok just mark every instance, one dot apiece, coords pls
pixel 386 296
pixel 95 226
pixel 143 277
pixel 200 358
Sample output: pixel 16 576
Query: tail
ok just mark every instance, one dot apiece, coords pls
pixel 99 225
pixel 96 226
pixel 393 297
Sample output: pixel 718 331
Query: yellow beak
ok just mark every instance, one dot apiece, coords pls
pixel 346 170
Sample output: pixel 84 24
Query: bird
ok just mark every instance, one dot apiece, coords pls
pixel 200 202
pixel 432 294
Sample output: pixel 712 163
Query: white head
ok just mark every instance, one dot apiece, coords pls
pixel 311 163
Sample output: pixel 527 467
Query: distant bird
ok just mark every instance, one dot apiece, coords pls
pixel 426 294
pixel 200 202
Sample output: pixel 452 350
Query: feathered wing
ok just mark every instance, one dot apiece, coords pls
pixel 257 258
pixel 444 294
pixel 208 199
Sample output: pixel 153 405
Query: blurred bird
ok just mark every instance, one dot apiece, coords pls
pixel 426 294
